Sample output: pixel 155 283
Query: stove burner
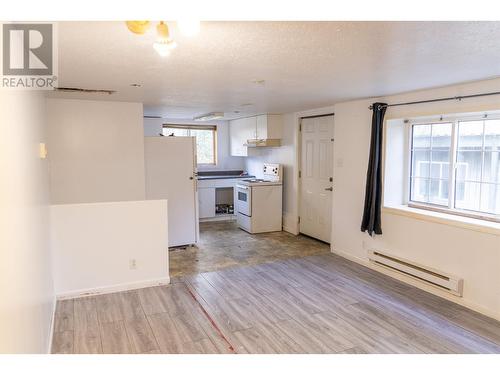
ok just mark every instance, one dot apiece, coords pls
pixel 256 180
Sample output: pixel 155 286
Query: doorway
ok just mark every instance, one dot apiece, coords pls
pixel 316 176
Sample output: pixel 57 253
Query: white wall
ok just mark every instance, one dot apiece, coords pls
pixel 473 255
pixel 153 127
pixel 93 244
pixel 26 288
pixel 396 173
pixel 96 151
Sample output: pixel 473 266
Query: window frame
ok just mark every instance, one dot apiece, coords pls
pixel 189 127
pixel 450 207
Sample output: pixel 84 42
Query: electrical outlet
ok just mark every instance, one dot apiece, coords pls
pixel 133 264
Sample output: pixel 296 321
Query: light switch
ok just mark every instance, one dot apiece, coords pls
pixel 42 151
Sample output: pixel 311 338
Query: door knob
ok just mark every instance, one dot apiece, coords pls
pixel 329 189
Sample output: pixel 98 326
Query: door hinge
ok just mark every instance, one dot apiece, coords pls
pixel 332 140
pixel 299 219
pixel 300 174
pixel 300 127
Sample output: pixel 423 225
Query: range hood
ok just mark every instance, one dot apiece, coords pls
pixel 272 142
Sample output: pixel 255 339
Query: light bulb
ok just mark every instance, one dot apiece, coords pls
pixel 164 46
pixel 161 48
pixel 189 26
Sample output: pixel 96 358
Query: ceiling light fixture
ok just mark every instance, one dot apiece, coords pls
pixel 164 44
pixel 209 116
pixel 138 27
pixel 188 26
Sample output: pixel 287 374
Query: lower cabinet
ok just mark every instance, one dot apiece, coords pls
pixel 206 198
pixel 213 193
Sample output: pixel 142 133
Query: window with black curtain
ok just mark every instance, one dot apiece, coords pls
pixel 455 165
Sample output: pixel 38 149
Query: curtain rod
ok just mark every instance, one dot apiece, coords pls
pixel 316 116
pixel 439 100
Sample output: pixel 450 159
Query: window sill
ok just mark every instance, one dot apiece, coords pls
pixel 477 225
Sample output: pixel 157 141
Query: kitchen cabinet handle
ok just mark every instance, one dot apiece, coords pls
pixel 329 189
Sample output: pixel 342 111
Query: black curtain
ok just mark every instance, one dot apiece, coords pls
pixel 373 194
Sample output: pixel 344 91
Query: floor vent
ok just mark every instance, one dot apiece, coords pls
pixel 439 279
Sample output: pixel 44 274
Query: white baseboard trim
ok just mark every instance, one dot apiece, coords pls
pixel 418 284
pixel 112 288
pixel 226 217
pixel 51 326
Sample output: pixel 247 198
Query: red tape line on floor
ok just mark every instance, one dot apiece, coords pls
pixel 230 346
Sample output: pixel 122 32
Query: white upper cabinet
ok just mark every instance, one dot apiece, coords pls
pixel 269 127
pixel 240 131
pixel 255 127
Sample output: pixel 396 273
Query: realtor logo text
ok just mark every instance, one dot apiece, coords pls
pixel 28 56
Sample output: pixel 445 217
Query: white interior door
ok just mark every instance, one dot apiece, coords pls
pixel 316 177
pixel 170 174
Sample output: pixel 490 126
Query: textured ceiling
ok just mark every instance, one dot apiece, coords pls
pixel 304 64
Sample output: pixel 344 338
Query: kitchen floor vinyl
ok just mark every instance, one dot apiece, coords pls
pixel 223 245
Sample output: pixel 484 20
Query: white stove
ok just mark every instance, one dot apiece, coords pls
pixel 272 174
pixel 258 182
pixel 259 201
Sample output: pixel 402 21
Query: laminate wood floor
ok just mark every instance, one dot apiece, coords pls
pixel 314 304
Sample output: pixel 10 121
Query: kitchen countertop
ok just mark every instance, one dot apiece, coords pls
pixel 222 177
pixel 222 174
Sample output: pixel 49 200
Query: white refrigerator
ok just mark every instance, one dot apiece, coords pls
pixel 170 166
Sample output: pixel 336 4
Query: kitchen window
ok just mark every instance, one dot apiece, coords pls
pixel 455 166
pixel 206 140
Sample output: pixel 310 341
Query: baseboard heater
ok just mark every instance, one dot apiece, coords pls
pixel 436 278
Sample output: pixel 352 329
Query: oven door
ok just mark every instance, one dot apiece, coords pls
pixel 244 199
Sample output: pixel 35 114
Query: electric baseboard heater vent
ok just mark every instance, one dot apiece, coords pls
pixel 436 278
